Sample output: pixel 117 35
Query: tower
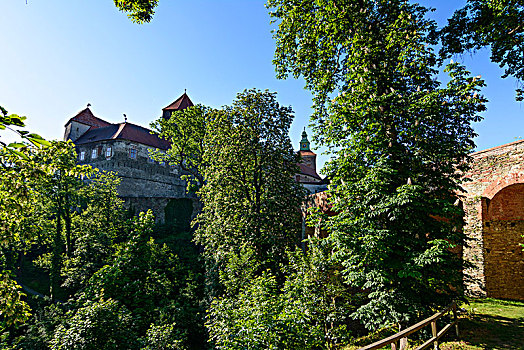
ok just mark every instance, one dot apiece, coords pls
pixel 180 103
pixel 309 158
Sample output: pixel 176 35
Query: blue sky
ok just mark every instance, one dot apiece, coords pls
pixel 59 55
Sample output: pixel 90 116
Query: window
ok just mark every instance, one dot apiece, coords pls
pixel 94 153
pixel 82 155
pixel 132 153
pixel 163 163
pixel 108 152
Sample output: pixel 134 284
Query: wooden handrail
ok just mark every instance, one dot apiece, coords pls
pixel 402 335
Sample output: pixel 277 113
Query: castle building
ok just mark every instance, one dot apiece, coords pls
pixel 308 175
pixel 125 148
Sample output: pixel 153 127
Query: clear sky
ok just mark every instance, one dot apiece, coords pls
pixel 59 55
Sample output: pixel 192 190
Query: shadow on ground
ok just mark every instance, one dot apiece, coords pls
pixel 482 331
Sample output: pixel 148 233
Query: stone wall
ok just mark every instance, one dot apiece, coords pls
pixel 494 207
pixel 145 184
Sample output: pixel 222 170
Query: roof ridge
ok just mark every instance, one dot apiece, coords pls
pixel 121 127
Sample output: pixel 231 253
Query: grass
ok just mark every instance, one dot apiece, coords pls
pixel 490 324
pixel 487 324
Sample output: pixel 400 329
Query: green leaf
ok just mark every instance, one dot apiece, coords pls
pixel 17 145
pixel 18 153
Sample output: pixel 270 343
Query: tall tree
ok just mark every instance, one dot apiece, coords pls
pixel 250 201
pixel 186 130
pixel 16 198
pixel 399 141
pixel 58 188
pixel 498 25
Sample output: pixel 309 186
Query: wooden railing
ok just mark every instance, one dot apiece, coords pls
pixel 399 341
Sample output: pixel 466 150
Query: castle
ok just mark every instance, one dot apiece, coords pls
pixel 125 148
pixel 145 184
pixel 493 201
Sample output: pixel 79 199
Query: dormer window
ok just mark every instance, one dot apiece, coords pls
pixel 109 152
pixel 132 153
pixel 82 155
pixel 94 153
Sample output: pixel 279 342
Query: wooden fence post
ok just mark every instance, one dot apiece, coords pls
pixel 399 340
pixel 434 332
pixel 403 343
pixel 455 319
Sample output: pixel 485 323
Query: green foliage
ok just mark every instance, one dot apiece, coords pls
pixel 13 310
pixel 58 190
pixel 249 319
pixel 398 138
pixel 139 11
pixel 250 199
pixel 39 330
pixel 494 24
pixel 163 337
pixel 317 299
pixel 13 122
pixel 95 230
pixel 150 282
pixel 99 325
pixel 186 130
pixel 309 310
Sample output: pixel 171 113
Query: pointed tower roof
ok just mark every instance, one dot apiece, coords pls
pixel 305 146
pixel 182 102
pixel 87 117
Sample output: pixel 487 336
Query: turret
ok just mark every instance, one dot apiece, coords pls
pixel 309 158
pixel 180 103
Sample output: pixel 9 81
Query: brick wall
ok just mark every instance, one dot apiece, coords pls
pixel 494 207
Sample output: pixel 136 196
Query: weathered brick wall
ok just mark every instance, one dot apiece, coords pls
pixel 494 207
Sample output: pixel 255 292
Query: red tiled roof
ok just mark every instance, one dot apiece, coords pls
pixel 124 131
pixel 140 134
pixel 87 117
pixel 304 169
pixel 180 103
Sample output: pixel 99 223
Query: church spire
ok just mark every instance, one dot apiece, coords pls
pixel 304 143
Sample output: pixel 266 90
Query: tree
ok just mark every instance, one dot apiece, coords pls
pixel 98 223
pixel 309 310
pixel 149 280
pixel 495 24
pixel 58 188
pixel 13 122
pixel 16 200
pixel 13 310
pixel 250 200
pixel 399 139
pixel 99 325
pixel 186 130
pixel 139 11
